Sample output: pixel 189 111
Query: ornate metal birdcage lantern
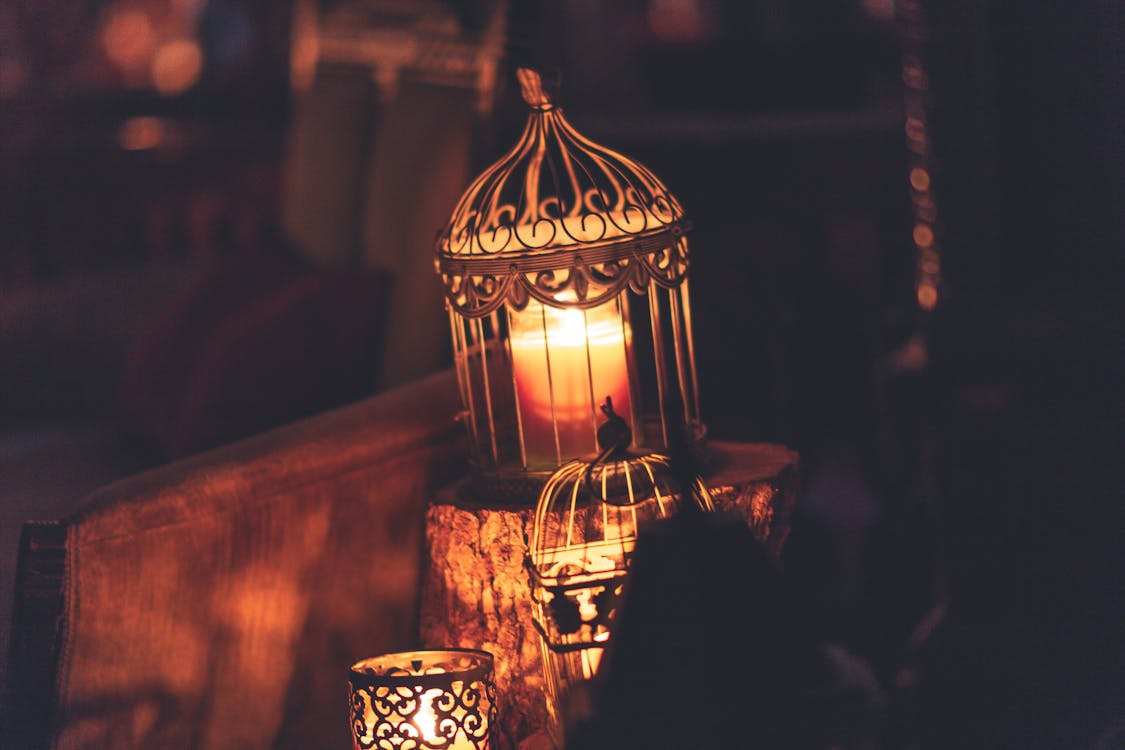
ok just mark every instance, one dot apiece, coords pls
pixel 565 268
pixel 586 524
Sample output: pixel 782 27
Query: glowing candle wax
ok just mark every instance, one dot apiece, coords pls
pixel 566 362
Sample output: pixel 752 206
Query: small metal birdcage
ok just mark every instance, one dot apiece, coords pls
pixel 565 270
pixel 586 524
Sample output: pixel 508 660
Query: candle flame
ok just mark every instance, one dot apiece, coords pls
pixel 425 720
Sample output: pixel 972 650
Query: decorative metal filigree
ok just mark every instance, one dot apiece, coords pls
pixel 561 220
pixel 565 268
pixel 586 525
pixel 423 700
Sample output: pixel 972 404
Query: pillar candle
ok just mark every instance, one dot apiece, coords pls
pixel 566 362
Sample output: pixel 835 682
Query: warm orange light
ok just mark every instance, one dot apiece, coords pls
pixel 927 296
pixel 915 130
pixel 176 66
pixel 129 39
pixel 919 179
pixel 304 46
pixel 140 133
pixel 923 235
pixel 561 357
pixel 426 720
pixel 423 699
pixel 563 222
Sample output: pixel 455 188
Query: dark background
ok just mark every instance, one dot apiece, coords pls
pixel 959 525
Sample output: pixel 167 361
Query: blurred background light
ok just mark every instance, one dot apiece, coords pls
pixel 176 66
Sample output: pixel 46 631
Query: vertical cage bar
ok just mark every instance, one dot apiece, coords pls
pixel 677 345
pixel 590 379
pixel 605 506
pixel 632 506
pixel 690 349
pixel 463 338
pixel 587 664
pixel 458 355
pixel 550 383
pixel 621 536
pixel 630 367
pixel 658 355
pixel 656 491
pixel 480 345
pixel 516 392
pixel 463 382
pixel 573 510
pixel 551 675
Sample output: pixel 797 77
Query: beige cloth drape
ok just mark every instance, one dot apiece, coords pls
pixel 217 602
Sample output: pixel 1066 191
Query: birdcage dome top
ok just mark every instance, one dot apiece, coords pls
pixel 586 526
pixel 587 503
pixel 559 219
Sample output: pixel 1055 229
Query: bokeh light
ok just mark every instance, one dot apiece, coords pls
pixel 140 133
pixel 927 296
pixel 923 235
pixel 920 179
pixel 128 39
pixel 305 46
pixel 176 66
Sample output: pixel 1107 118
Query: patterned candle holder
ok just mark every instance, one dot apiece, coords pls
pixel 424 700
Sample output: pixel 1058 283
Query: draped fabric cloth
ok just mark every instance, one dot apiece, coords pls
pixel 217 602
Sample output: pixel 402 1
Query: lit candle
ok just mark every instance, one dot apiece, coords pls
pixel 425 720
pixel 423 699
pixel 566 362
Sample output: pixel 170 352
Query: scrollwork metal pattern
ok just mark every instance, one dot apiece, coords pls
pixel 570 280
pixel 443 703
pixel 561 220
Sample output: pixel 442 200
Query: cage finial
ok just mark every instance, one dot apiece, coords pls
pixel 531 87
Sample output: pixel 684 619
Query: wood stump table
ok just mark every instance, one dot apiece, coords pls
pixel 476 592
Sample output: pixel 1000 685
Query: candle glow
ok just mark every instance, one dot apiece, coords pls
pixel 423 700
pixel 565 267
pixel 566 362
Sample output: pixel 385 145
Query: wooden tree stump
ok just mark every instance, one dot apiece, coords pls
pixel 476 594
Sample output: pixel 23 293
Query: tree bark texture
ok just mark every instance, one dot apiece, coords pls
pixel 475 591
